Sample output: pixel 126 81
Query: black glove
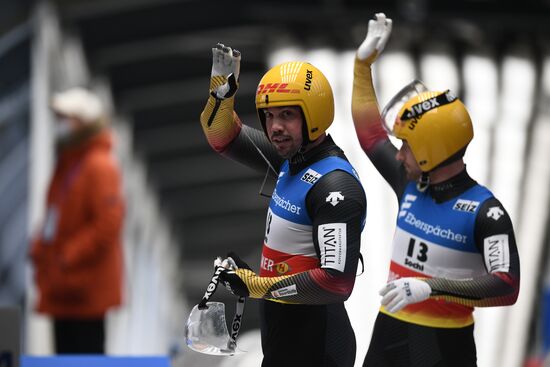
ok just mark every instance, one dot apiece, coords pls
pixel 235 273
pixel 237 261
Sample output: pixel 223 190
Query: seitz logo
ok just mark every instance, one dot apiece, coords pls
pixel 275 88
pixel 468 206
pixel 311 176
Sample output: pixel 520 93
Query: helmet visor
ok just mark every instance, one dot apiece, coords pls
pixel 392 108
pixel 206 331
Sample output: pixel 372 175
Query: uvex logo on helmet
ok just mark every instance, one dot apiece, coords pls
pixel 416 111
pixel 275 87
pixel 436 125
pixel 309 77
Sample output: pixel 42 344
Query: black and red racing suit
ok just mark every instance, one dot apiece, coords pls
pixel 311 247
pixel 455 235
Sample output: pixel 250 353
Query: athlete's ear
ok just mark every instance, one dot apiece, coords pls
pixel 238 261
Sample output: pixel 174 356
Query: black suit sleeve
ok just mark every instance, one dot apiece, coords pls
pixel 337 201
pixel 496 242
pixel 336 235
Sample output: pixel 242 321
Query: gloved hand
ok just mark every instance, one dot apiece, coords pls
pixel 379 31
pixel 231 277
pixel 404 291
pixel 226 63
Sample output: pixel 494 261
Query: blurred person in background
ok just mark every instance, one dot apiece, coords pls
pixel 77 254
pixel 454 247
pixel 316 214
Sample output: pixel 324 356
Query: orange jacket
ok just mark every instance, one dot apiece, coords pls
pixel 79 264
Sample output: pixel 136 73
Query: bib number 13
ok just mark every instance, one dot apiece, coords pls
pixel 420 250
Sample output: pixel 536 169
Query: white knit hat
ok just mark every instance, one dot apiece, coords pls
pixel 78 102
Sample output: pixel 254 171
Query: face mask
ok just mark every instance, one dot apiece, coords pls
pixel 63 128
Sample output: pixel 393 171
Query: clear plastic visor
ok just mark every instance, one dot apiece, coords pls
pixel 392 108
pixel 206 331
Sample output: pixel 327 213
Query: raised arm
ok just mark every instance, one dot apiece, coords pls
pixel 365 112
pixel 221 125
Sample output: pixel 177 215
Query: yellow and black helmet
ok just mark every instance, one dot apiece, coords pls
pixel 298 84
pixel 436 126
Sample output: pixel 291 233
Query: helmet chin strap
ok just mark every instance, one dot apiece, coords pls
pixel 299 157
pixel 423 182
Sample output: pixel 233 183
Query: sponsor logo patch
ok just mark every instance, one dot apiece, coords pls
pixel 285 204
pixel 406 204
pixel 275 88
pixel 430 229
pixel 310 176
pixel 282 268
pixel 285 291
pixel 414 265
pixel 309 78
pixel 266 263
pixel 334 197
pixel 495 212
pixel 497 253
pixel 333 244
pixel 468 206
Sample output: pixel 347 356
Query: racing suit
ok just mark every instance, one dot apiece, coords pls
pixel 455 235
pixel 311 246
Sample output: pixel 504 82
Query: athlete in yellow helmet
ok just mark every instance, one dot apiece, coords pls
pixel 454 246
pixel 436 126
pixel 298 84
pixel 311 246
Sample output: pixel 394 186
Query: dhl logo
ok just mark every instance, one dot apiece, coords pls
pixel 275 87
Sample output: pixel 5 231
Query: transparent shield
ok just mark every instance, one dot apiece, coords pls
pixel 390 111
pixel 206 331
